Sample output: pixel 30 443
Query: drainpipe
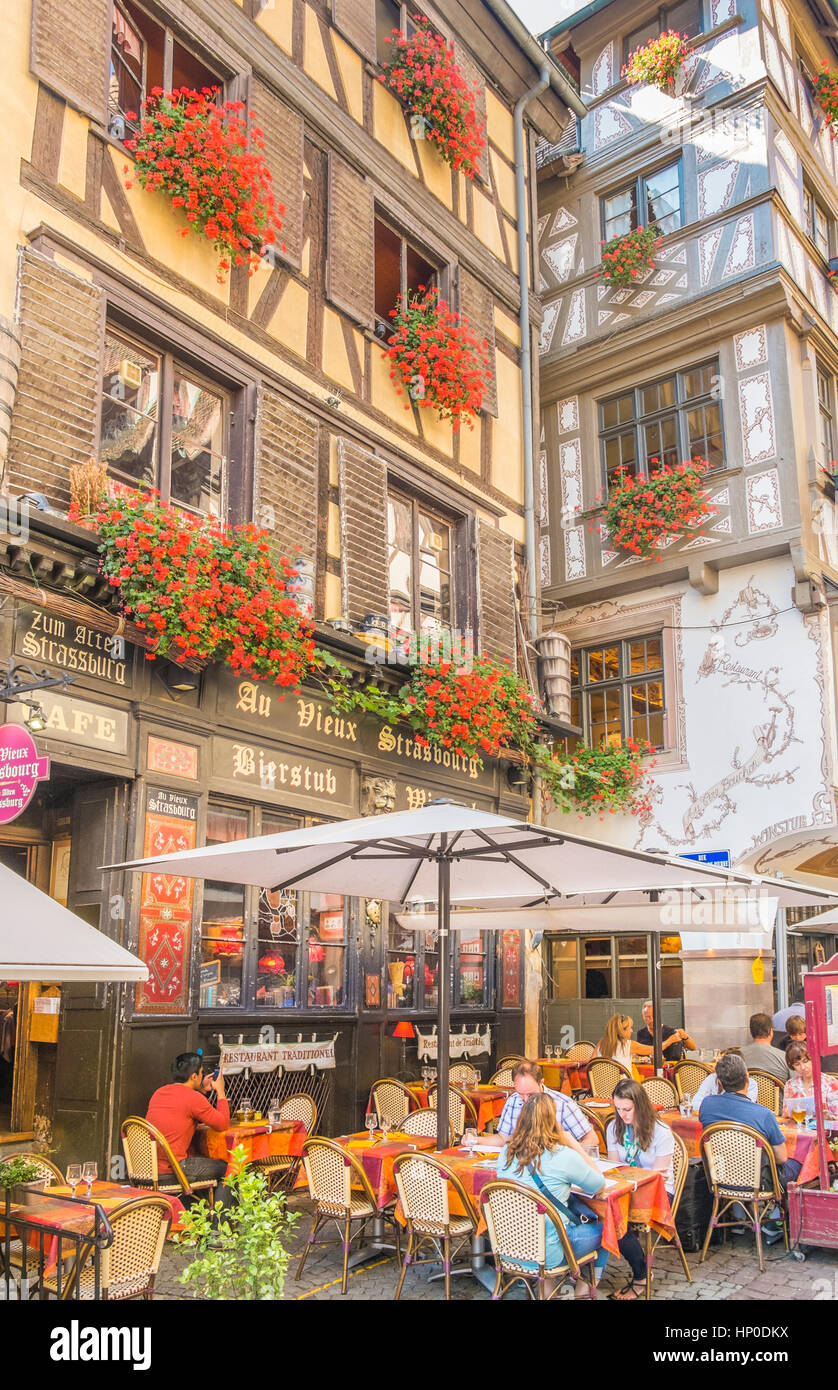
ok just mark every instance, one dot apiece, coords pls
pixel 531 596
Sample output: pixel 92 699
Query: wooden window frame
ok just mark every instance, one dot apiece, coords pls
pixel 661 17
pixel 458 527
pixel 441 265
pixel 826 407
pixel 680 409
pixel 622 683
pixel 813 205
pixel 638 185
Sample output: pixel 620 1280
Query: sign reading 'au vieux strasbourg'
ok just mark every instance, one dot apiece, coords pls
pixel 21 769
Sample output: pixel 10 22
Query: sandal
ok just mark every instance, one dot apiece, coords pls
pixel 629 1292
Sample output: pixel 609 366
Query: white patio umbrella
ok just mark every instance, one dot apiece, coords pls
pixel 442 853
pixel 42 940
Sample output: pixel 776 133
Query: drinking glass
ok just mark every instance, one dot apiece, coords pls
pixel 470 1140
pixel 89 1172
pixel 686 1105
pixel 548 1051
pixel 73 1176
pixel 246 1106
pixel 798 1113
pixel 371 1122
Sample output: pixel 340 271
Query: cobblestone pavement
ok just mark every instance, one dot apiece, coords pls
pixel 730 1272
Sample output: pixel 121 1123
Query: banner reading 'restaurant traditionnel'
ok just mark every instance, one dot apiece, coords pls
pixel 258 1057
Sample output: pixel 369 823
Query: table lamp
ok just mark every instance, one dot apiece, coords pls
pixel 403 1030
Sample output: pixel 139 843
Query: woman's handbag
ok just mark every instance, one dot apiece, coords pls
pixel 576 1215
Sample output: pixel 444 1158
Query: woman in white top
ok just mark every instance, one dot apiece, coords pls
pixel 710 1085
pixel 618 1044
pixel 638 1138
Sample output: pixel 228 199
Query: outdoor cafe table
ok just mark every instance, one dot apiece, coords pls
pixel 259 1139
pixel 561 1074
pixel 378 1156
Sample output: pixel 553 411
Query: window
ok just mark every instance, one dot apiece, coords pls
pixel 162 425
pixel 145 54
pixel 412 967
pixel 618 692
pixel 561 966
pixel 472 974
pixel 400 268
pixel 632 967
pixel 222 920
pixel 597 964
pixel 825 416
pixel 326 950
pixel 654 197
pixel 684 18
pixel 676 418
pixel 420 551
pixel 818 222
pixel 672 970
pixel 390 15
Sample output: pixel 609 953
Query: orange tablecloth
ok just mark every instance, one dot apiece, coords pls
pixel 418 1090
pixel 487 1100
pixel 259 1140
pixel 469 1169
pixel 639 1196
pixel 377 1158
pixel 73 1219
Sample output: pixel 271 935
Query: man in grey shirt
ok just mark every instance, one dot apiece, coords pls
pixel 759 1054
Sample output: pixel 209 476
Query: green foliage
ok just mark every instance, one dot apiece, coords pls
pixel 17 1171
pixel 241 1252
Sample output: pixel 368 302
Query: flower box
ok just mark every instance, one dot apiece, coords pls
pixel 421 70
pixel 436 358
pixel 642 511
pixel 826 95
pixel 658 63
pixel 624 258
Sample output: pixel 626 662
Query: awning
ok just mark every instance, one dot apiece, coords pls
pixel 41 940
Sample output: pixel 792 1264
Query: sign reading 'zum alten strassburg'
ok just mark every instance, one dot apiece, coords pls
pixel 21 769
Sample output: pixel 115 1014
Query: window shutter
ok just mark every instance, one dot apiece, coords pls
pixel 495 583
pixel 477 305
pixel 474 78
pixel 287 471
pixel 282 129
pixel 363 532
pixel 70 51
pixel 350 265
pixel 56 417
pixel 355 19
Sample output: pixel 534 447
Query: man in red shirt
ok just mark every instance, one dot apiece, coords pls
pixel 177 1109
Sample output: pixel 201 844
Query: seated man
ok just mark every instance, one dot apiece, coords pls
pixel 673 1040
pixel 528 1080
pixel 177 1109
pixel 759 1055
pixel 733 1105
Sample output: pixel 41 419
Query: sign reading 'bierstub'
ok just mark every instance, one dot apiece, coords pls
pixel 21 769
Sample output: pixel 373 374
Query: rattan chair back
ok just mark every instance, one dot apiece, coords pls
pixel 143 1145
pixel 129 1264
pixel 461 1112
pixel 689 1076
pixel 769 1090
pixel 422 1182
pixel 661 1091
pixel 516 1218
pixel 463 1074
pixel 331 1172
pixel 597 1125
pixel 580 1052
pixel 603 1075
pixel 511 1060
pixel 502 1077
pixel 732 1156
pixel 423 1122
pixel 680 1166
pixel 391 1099
pixel 302 1108
pixel 45 1168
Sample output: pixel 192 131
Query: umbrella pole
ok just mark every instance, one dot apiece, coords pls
pixel 444 994
pixel 657 1035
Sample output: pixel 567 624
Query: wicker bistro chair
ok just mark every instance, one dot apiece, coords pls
pixel 689 1076
pixel 463 1074
pixel 461 1113
pixel 46 1169
pixel 391 1100
pixel 598 1125
pixel 733 1156
pixel 130 1263
pixel 510 1060
pixel 516 1217
pixel 282 1169
pixel 143 1144
pixel 341 1193
pixel 502 1077
pixel 580 1052
pixel 424 1122
pixel 661 1091
pixel 54 1176
pixel 603 1075
pixel 770 1091
pixel 680 1165
pixel 423 1187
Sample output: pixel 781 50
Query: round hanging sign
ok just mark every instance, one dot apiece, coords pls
pixel 21 769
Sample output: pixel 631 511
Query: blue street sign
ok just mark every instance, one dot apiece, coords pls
pixel 721 857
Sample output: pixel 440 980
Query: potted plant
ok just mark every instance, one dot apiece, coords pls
pixel 422 71
pixel 610 779
pixel 206 157
pixel 826 95
pixel 659 62
pixel 624 257
pixel 436 357
pixel 641 511
pixel 16 1175
pixel 287 990
pixel 241 1253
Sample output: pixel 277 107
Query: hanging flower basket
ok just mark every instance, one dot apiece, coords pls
pixel 641 511
pixel 436 357
pixel 207 159
pixel 658 63
pixel 625 257
pixel 422 71
pixel 826 95
pixel 204 591
pixel 602 781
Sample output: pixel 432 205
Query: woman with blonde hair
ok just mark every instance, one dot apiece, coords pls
pixel 618 1044
pixel 538 1155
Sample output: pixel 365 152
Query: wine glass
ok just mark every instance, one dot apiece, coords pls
pixel 371 1122
pixel 549 1050
pixel 246 1107
pixel 73 1176
pixel 470 1141
pixel 89 1173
